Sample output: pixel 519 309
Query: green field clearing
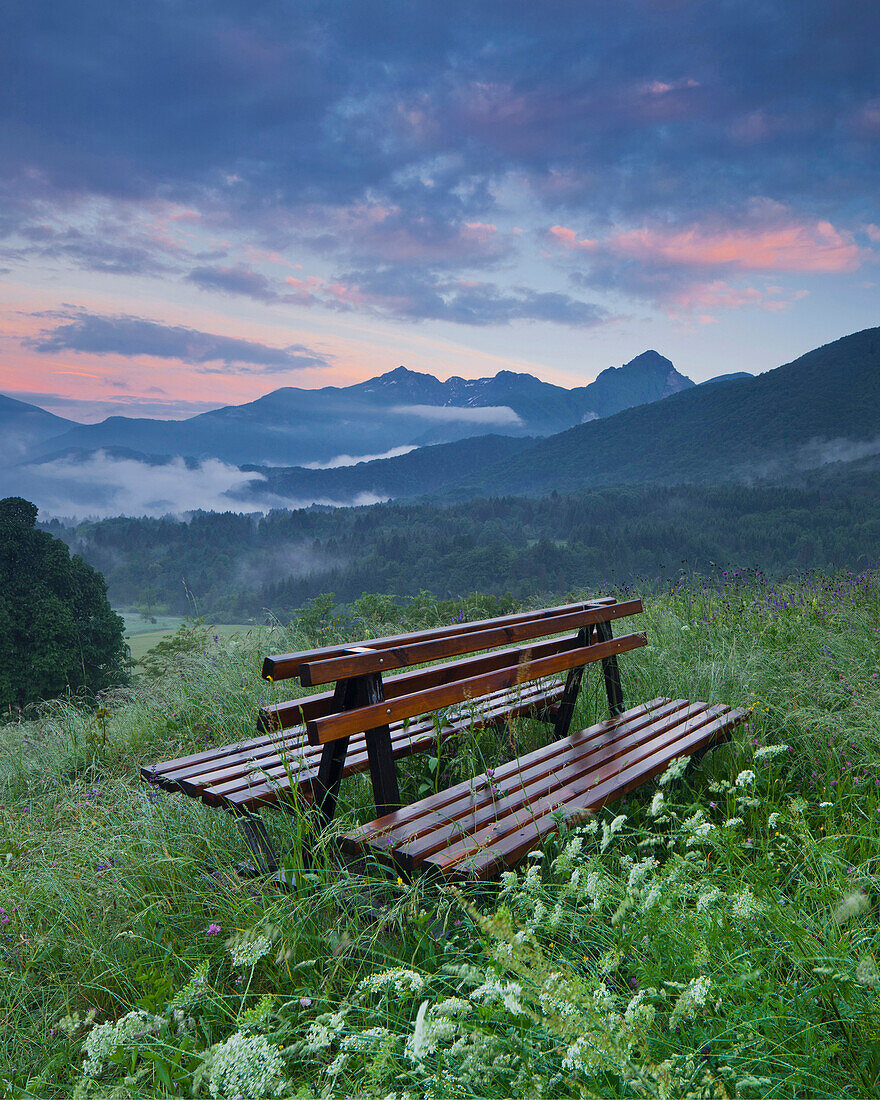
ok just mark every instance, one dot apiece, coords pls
pixel 141 635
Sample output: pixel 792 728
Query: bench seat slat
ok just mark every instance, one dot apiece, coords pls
pixel 576 804
pixel 260 775
pixel 286 665
pixel 544 792
pixel 476 837
pixel 321 730
pixel 436 809
pixel 304 755
pixel 417 738
pixel 537 782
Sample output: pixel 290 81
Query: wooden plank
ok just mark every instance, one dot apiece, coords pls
pixel 286 665
pixel 532 790
pixel 291 758
pixel 477 802
pixel 288 714
pixel 254 790
pixel 405 655
pixel 404 820
pixel 483 857
pixel 321 730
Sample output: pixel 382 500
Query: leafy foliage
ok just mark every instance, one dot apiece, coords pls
pixel 57 629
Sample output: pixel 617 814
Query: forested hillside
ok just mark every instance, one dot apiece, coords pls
pixel 824 406
pixel 227 566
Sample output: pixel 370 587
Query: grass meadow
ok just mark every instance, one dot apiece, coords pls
pixel 715 935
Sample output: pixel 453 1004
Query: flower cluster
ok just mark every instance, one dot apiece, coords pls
pixel 105 1039
pixel 246 1066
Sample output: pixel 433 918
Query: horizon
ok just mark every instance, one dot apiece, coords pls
pixel 30 399
pixel 200 211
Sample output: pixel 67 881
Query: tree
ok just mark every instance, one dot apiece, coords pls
pixel 57 629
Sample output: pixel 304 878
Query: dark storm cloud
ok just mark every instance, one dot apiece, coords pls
pixel 132 336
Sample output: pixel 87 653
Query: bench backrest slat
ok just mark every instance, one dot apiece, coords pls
pixel 404 656
pixel 284 666
pixel 335 726
pixel 296 711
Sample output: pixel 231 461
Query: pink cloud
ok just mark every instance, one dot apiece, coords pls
pixel 569 239
pixel 720 295
pixel 815 247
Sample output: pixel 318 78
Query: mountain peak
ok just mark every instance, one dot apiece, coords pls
pixel 401 374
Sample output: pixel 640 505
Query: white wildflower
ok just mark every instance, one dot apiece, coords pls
pixel 509 882
pixel 248 952
pixel 867 972
pixel 584 1055
pixel 745 905
pixel 337 1065
pixel 639 875
pixel 596 888
pixel 453 1007
pixel 652 897
pixel 658 804
pixel 745 778
pixel 608 831
pixel 105 1039
pixel 710 898
pixel 853 905
pixel 195 989
pixel 769 751
pixel 429 1032
pixel 690 1000
pixel 324 1030
pixel 640 1012
pixel 750 1082
pixel 494 990
pixel 400 981
pixel 733 822
pixel 603 999
pixel 70 1025
pixel 825 805
pixel 773 820
pixel 675 771
pixel 360 1042
pixel 244 1065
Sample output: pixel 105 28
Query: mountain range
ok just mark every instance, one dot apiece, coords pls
pixel 400 409
pixel 639 424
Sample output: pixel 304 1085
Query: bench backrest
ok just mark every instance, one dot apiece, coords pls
pixel 330 716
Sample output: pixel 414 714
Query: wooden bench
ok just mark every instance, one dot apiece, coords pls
pixel 479 827
pixel 301 752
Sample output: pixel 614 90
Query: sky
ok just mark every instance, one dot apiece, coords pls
pixel 205 200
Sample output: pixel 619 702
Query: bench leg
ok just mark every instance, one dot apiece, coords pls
pixel 565 707
pixel 253 829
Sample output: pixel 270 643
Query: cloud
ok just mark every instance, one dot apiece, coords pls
pixel 400 143
pixel 485 414
pixel 86 411
pixel 103 485
pixel 803 248
pixel 234 280
pixel 355 460
pixel 134 336
pixel 409 295
pixel 689 267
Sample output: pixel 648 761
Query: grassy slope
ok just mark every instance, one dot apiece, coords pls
pixel 743 956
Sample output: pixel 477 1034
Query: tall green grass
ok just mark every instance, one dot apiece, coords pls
pixel 713 936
